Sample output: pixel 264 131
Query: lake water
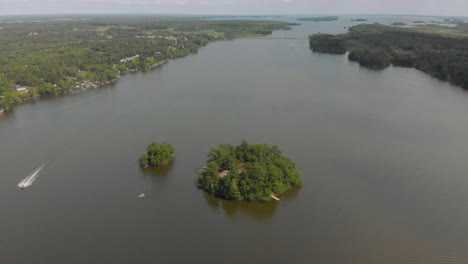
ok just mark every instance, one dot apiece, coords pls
pixel 383 156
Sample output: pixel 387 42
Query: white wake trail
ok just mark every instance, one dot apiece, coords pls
pixel 28 181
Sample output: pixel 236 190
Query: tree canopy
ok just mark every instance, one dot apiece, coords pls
pixel 378 46
pixel 51 56
pixel 157 155
pixel 248 172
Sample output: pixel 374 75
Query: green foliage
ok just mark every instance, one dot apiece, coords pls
pixel 374 59
pixel 327 43
pixel 318 19
pixel 254 172
pixel 377 46
pixel 157 155
pixel 53 57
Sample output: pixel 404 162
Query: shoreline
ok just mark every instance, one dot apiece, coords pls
pixel 90 84
pixel 97 84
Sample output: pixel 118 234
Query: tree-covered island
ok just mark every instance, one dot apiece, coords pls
pixel 248 172
pixel 52 55
pixel 157 155
pixel 441 54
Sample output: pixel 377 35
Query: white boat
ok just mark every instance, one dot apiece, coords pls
pixel 28 181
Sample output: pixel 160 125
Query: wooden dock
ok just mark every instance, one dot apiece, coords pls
pixel 274 197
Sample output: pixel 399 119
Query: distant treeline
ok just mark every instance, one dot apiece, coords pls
pixel 51 56
pixel 377 46
pixel 318 19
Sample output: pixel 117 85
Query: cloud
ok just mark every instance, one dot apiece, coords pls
pixel 286 1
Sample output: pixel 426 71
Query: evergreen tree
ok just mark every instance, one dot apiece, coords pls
pixel 255 172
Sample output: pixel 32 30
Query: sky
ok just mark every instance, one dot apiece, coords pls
pixel 222 7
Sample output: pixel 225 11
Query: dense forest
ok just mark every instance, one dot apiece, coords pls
pixel 318 19
pixel 157 155
pixel 377 46
pixel 248 172
pixel 328 43
pixel 54 55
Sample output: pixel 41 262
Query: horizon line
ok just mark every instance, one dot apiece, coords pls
pixel 217 14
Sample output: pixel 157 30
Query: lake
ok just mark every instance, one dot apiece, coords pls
pixel 382 153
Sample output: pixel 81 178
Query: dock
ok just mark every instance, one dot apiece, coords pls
pixel 274 197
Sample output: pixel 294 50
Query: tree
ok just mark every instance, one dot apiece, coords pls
pixel 254 172
pixel 157 155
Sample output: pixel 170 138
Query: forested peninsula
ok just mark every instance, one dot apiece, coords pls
pixel 249 173
pixel 378 46
pixel 54 55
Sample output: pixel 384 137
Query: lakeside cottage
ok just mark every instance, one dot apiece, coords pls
pixel 130 58
pixel 223 174
pixel 21 89
pixel 2 111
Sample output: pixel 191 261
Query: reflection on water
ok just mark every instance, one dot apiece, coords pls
pixel 160 171
pixel 259 211
pixel 157 175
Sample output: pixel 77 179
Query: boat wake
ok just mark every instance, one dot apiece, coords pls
pixel 28 181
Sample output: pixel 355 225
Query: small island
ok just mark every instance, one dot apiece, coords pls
pixel 157 155
pixel 318 19
pixel 359 19
pixel 398 24
pixel 249 173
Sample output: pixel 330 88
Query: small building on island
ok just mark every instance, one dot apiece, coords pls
pixel 223 174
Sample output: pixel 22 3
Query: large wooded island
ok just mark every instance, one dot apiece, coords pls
pixel 249 173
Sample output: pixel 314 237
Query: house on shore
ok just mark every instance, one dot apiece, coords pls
pixel 130 58
pixel 2 111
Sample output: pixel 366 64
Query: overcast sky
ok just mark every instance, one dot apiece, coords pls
pixel 423 7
